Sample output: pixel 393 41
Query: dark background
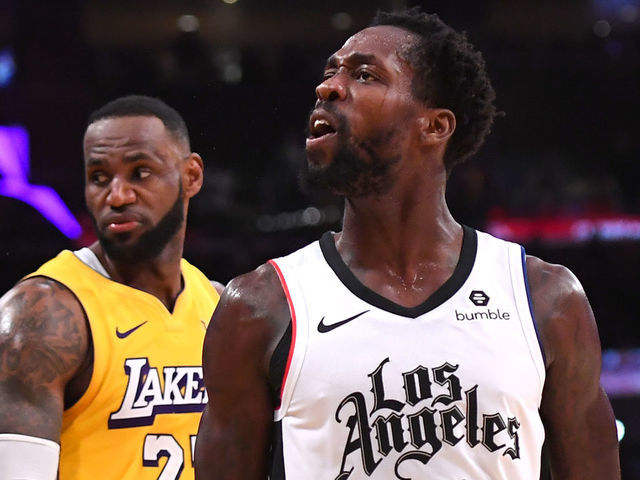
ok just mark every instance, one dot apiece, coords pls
pixel 566 73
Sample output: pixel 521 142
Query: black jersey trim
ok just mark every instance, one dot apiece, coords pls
pixel 441 295
pixel 277 453
pixel 278 366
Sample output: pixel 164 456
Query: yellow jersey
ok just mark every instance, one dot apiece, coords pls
pixel 139 416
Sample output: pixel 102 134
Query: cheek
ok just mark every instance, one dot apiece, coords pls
pixel 89 197
pixel 375 124
pixel 380 112
pixel 94 197
pixel 91 205
pixel 170 181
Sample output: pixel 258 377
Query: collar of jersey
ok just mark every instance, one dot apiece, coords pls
pixel 441 295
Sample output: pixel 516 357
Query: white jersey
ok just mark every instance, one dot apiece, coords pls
pixel 449 389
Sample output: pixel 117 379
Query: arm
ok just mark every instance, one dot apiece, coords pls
pixel 43 341
pixel 234 438
pixel 579 422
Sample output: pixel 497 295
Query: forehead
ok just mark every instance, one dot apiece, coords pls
pixel 130 131
pixel 383 41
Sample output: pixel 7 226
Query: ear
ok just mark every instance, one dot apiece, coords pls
pixel 436 126
pixel 192 175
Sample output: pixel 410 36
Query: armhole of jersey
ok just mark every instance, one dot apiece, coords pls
pixel 523 257
pixel 520 282
pixel 278 364
pixel 292 367
pixel 87 365
pixel 100 358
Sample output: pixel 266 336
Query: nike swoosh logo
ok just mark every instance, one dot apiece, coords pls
pixel 128 332
pixel 324 328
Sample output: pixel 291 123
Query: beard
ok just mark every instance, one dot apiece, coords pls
pixel 357 168
pixel 150 244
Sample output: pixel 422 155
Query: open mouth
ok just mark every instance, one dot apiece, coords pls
pixel 320 125
pixel 320 128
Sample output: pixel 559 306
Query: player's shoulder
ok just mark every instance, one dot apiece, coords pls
pixel 253 310
pixel 560 305
pixel 38 292
pixel 44 318
pixel 258 290
pixel 552 280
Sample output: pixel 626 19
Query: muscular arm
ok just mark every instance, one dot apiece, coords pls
pixel 235 430
pixel 578 419
pixel 43 341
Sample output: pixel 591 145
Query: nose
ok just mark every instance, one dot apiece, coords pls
pixel 332 88
pixel 121 193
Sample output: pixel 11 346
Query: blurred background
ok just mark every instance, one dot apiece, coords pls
pixel 559 173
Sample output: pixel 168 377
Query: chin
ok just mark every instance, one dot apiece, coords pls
pixel 319 155
pixel 120 239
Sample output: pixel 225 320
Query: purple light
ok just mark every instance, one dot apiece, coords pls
pixel 7 67
pixel 14 153
pixel 621 372
pixel 14 182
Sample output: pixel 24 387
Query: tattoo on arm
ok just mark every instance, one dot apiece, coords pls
pixel 43 340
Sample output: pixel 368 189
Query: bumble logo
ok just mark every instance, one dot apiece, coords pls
pixel 479 298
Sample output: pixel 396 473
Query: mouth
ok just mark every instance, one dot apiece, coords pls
pixel 322 129
pixel 321 125
pixel 121 223
pixel 122 227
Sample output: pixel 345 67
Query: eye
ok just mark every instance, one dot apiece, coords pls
pixel 364 76
pixel 328 74
pixel 141 173
pixel 98 178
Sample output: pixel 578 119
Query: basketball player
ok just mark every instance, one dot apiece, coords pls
pixel 100 348
pixel 406 346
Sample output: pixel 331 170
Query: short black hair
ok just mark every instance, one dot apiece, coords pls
pixel 134 105
pixel 448 73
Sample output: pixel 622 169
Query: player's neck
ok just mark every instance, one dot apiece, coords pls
pixel 400 231
pixel 402 242
pixel 411 219
pixel 404 258
pixel 159 276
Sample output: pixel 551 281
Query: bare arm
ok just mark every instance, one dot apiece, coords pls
pixel 43 341
pixel 578 419
pixel 235 430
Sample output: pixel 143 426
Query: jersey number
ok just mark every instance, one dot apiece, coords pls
pixel 158 446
